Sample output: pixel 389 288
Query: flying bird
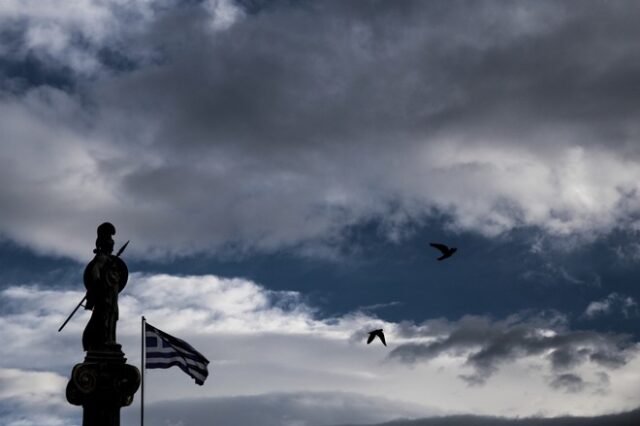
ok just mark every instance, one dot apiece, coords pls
pixel 446 251
pixel 374 333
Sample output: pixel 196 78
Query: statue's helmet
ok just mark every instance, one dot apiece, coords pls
pixel 104 242
pixel 106 230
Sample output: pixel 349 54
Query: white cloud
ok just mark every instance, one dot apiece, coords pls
pixel 598 307
pixel 32 398
pixel 224 13
pixel 626 305
pixel 72 33
pixel 495 186
pixel 32 386
pixel 52 30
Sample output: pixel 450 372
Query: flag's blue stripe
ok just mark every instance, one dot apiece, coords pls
pixel 154 354
pixel 179 351
pixel 166 364
pixel 188 363
pixel 182 365
pixel 197 368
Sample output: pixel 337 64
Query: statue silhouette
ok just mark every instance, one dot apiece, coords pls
pixel 104 277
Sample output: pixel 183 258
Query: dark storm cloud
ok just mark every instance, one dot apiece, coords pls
pixel 206 126
pixel 488 345
pixel 374 73
pixel 569 382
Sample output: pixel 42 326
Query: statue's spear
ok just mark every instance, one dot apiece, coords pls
pixel 85 296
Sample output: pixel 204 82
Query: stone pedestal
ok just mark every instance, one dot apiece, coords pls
pixel 103 384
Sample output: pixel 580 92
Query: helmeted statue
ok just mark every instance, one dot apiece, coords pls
pixel 104 382
pixel 104 277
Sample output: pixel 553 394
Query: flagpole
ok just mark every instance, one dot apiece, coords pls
pixel 142 365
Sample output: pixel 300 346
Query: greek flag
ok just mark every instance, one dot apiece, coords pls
pixel 164 351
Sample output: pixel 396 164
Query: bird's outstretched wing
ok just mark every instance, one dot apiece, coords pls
pixel 443 248
pixel 372 336
pixel 381 336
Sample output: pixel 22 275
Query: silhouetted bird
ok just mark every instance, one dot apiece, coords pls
pixel 373 334
pixel 446 251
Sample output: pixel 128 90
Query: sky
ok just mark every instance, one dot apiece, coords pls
pixel 281 167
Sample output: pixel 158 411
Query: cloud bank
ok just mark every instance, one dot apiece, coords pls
pixel 303 408
pixel 487 345
pixel 205 127
pixel 623 419
pixel 271 349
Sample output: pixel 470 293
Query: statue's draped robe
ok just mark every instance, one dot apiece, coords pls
pixel 102 280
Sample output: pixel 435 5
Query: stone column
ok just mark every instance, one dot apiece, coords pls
pixel 103 384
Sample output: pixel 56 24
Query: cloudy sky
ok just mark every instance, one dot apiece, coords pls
pixel 281 167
